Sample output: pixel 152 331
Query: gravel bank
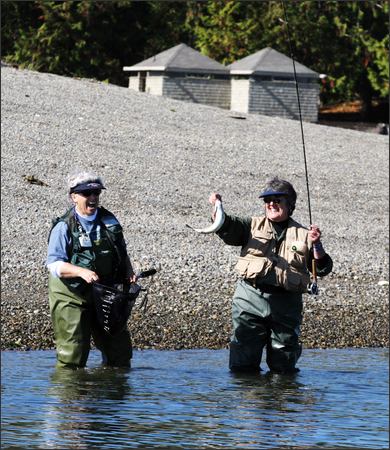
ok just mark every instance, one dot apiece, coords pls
pixel 160 159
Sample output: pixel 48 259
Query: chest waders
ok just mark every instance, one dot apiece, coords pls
pixel 265 316
pixel 71 302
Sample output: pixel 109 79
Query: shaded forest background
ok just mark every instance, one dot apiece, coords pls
pixel 346 40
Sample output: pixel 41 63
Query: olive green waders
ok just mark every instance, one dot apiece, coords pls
pixel 265 319
pixel 74 323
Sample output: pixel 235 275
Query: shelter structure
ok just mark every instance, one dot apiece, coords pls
pixel 182 73
pixel 263 83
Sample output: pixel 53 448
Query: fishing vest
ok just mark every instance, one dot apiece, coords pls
pixel 260 255
pixel 107 254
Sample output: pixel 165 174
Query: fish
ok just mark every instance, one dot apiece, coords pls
pixel 218 221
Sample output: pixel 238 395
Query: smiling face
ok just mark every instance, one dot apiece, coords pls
pixel 86 202
pixel 276 208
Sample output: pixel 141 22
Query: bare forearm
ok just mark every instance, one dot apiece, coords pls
pixel 68 270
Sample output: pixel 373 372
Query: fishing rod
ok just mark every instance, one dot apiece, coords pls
pixel 299 109
pixel 313 287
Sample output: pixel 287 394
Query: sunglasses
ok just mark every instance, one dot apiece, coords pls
pixel 95 192
pixel 276 200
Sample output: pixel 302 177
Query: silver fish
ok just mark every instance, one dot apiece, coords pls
pixel 218 221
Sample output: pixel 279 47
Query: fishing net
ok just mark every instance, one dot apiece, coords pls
pixel 113 305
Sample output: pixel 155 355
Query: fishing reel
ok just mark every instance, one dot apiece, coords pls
pixel 312 289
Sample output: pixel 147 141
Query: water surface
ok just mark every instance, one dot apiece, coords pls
pixel 189 399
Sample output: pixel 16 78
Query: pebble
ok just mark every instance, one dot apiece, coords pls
pixel 160 159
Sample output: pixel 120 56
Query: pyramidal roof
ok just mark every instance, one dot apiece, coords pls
pixel 269 62
pixel 180 58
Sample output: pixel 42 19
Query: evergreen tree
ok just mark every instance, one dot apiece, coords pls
pixel 346 40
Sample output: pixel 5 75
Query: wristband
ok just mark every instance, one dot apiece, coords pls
pixel 318 247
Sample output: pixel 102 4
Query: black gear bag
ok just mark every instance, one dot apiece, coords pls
pixel 113 306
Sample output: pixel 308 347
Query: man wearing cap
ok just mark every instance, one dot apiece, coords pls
pixel 85 245
pixel 274 264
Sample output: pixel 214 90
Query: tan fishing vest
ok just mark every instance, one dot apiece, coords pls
pixel 259 256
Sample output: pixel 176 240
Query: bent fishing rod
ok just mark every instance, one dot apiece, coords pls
pixel 313 287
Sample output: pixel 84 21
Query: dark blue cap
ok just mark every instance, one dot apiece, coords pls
pixel 89 186
pixel 269 192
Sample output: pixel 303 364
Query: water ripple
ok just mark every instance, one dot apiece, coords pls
pixel 188 399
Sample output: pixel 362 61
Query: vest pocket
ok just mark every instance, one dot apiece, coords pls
pixel 85 259
pixel 250 268
pixel 291 279
pixel 296 282
pixel 297 255
pixel 259 243
pixel 298 261
pixel 105 261
pixel 298 247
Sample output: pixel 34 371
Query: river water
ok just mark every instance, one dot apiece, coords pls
pixel 188 399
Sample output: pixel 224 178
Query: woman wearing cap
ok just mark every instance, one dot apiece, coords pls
pixel 276 256
pixel 86 245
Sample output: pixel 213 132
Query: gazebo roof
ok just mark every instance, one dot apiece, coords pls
pixel 270 62
pixel 180 58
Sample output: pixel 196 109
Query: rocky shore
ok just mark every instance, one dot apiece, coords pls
pixel 160 159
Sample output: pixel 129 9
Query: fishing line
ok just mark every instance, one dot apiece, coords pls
pixel 313 287
pixel 299 110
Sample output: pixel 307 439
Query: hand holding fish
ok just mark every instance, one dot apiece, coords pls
pixel 218 215
pixel 212 199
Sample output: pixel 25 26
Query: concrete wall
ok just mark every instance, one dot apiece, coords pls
pixel 154 84
pixel 247 95
pixel 279 98
pixel 134 82
pixel 150 83
pixel 209 91
pixel 239 95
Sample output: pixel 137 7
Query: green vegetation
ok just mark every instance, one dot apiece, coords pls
pixel 346 40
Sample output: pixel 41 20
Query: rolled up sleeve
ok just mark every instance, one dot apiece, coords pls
pixel 58 248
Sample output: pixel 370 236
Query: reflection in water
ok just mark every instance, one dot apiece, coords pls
pixel 76 404
pixel 262 395
pixel 89 384
pixel 189 399
pixel 273 390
